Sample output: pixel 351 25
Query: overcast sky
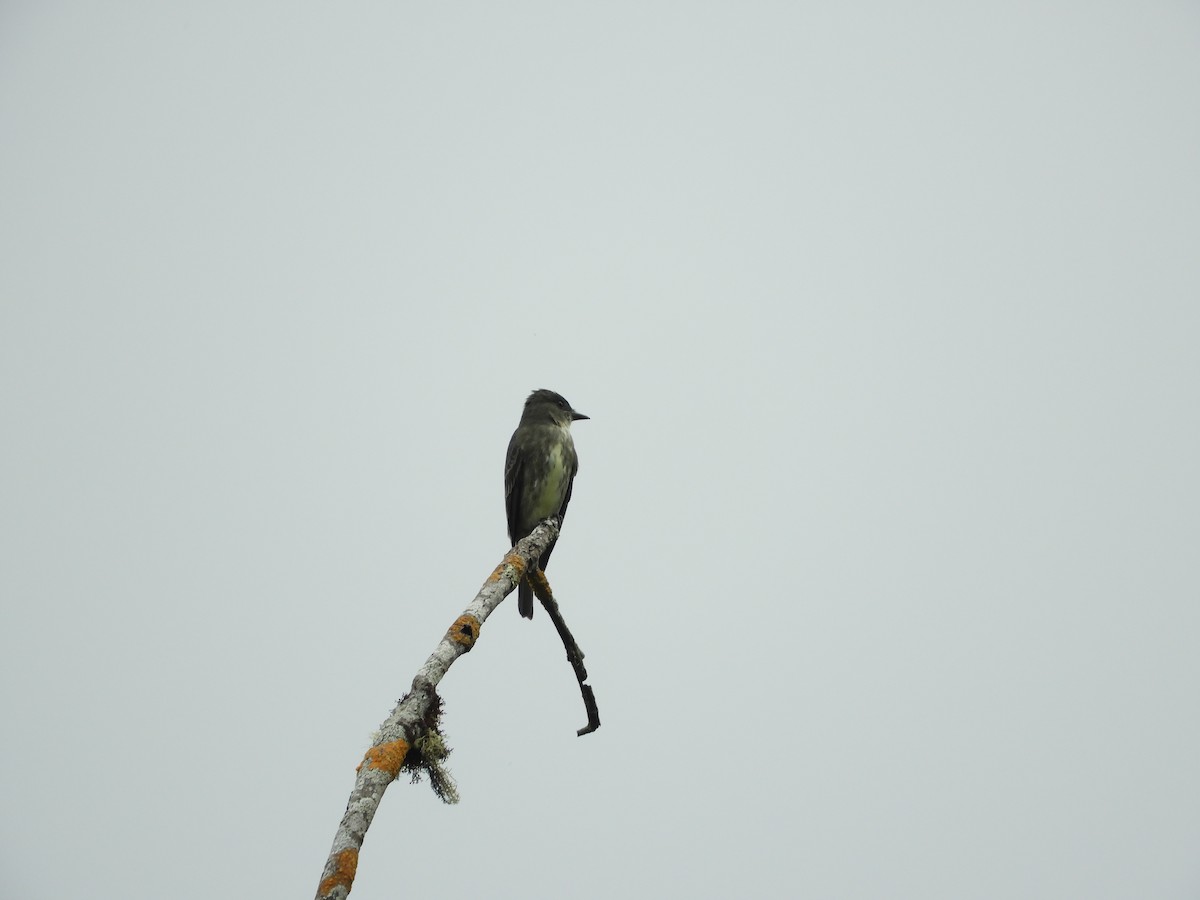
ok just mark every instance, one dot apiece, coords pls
pixel 883 549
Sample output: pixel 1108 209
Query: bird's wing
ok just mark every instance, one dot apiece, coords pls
pixel 513 472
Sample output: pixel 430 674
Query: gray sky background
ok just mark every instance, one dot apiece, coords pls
pixel 884 545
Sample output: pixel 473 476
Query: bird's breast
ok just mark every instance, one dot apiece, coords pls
pixel 552 486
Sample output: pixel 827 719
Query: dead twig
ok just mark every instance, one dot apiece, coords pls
pixel 541 588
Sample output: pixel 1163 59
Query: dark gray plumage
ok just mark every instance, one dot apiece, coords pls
pixel 539 473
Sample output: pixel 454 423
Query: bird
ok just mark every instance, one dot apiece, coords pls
pixel 539 473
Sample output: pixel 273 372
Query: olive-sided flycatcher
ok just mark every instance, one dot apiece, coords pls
pixel 538 473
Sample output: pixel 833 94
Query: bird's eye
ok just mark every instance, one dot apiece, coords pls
pixel 562 404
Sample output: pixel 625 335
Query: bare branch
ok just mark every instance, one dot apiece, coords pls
pixel 541 587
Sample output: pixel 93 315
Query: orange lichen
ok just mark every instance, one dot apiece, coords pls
pixel 537 581
pixel 344 866
pixel 510 559
pixel 465 631
pixel 387 757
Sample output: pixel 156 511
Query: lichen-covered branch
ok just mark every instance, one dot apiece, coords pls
pixel 409 724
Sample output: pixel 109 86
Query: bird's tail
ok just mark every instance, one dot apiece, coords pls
pixel 525 599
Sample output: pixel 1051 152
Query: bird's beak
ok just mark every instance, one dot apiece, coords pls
pixel 576 416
